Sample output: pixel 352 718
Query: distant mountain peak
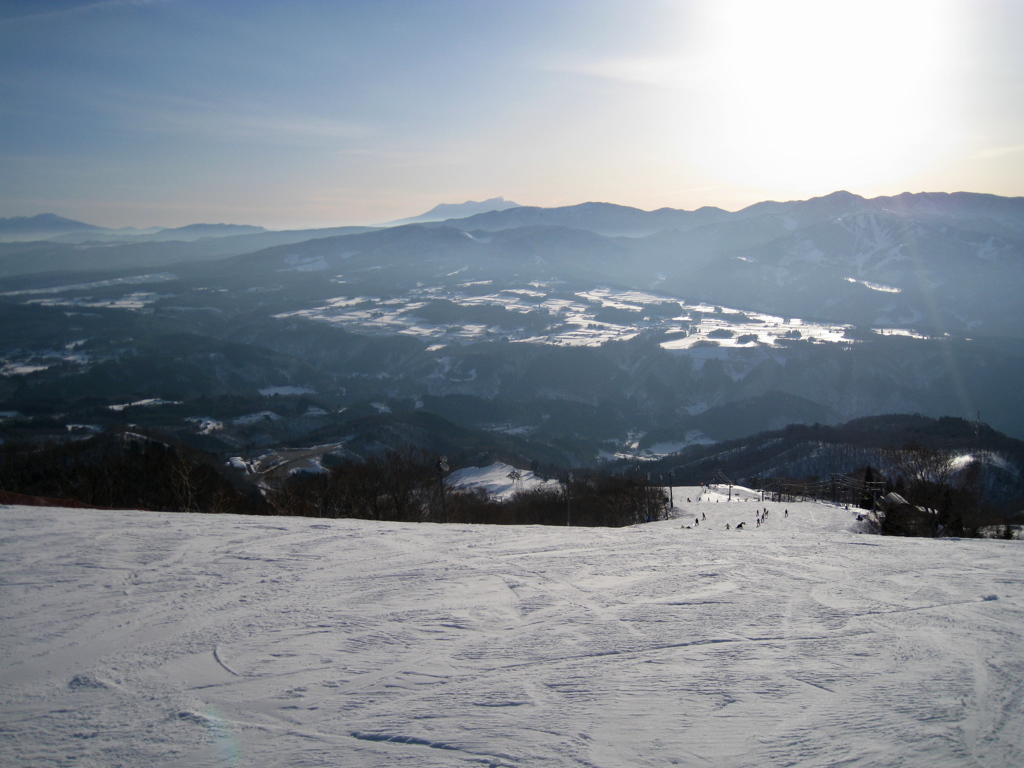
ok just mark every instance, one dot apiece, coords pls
pixel 445 211
pixel 194 231
pixel 470 207
pixel 841 195
pixel 44 218
pixel 41 226
pixel 194 227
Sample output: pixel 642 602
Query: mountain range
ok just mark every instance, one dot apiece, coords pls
pixel 565 335
pixel 49 226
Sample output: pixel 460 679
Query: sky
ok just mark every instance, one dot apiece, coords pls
pixel 313 113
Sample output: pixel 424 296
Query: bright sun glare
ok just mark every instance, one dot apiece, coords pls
pixel 806 95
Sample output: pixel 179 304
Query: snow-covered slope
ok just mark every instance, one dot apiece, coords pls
pixel 131 639
pixel 499 480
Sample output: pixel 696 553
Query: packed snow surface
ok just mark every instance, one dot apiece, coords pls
pixel 156 639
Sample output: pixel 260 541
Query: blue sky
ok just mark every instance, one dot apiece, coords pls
pixel 289 114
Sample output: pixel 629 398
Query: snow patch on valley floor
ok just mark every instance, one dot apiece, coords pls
pixel 255 418
pixel 874 286
pixel 205 425
pixel 572 321
pixel 148 402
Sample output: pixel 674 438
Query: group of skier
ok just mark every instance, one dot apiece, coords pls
pixel 760 516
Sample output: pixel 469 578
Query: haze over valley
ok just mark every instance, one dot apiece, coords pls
pixel 576 330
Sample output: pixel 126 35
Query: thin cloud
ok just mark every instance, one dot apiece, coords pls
pixel 198 118
pixel 658 71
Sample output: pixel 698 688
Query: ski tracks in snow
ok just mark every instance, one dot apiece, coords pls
pixel 195 640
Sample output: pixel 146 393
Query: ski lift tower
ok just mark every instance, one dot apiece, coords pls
pixel 569 480
pixel 516 476
pixel 442 470
pixel 719 477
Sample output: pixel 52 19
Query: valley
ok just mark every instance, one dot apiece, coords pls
pixel 566 336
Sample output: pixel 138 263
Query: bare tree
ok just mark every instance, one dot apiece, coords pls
pixel 941 490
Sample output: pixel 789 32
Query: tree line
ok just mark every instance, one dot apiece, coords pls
pixel 406 486
pixel 126 470
pixel 914 490
pixel 132 470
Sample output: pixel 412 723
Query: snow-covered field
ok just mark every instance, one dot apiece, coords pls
pixel 151 639
pixel 574 322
